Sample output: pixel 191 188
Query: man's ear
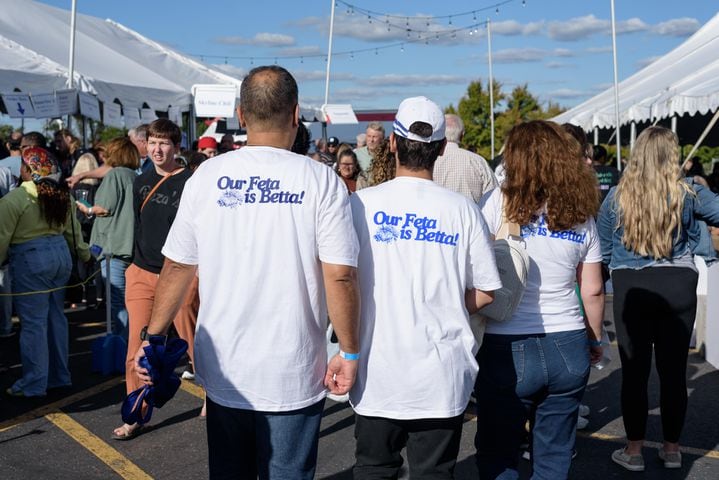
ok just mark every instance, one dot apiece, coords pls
pixel 243 123
pixel 296 116
pixel 392 143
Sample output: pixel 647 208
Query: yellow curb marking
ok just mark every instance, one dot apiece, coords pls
pixel 699 452
pixel 100 449
pixel 55 406
pixel 193 389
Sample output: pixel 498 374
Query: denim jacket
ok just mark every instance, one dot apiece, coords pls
pixel 704 207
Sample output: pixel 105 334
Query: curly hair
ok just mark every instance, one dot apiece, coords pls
pixel 54 201
pixel 383 166
pixel 544 169
pixel 651 194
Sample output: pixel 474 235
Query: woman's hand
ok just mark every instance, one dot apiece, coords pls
pixel 83 208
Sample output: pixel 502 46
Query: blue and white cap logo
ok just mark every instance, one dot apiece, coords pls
pixel 419 109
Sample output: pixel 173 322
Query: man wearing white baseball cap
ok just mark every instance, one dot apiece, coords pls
pixel 426 263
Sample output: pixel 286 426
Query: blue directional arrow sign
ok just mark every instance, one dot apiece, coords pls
pixel 20 109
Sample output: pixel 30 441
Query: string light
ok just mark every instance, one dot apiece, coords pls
pixel 375 14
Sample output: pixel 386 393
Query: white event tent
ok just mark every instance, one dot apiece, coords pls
pixel 684 81
pixel 111 61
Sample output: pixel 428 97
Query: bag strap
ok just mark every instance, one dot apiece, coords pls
pixel 157 185
pixel 507 228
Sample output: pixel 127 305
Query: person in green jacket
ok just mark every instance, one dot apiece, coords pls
pixel 113 229
pixel 37 229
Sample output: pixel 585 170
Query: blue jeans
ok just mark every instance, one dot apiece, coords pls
pixel 118 311
pixel 5 302
pixel 523 376
pixel 36 266
pixel 245 444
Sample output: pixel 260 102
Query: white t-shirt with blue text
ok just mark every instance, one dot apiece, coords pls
pixel 258 221
pixel 421 247
pixel 550 303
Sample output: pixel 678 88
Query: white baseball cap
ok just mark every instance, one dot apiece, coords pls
pixel 419 109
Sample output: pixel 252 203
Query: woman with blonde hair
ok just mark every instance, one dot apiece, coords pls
pixel 537 362
pixel 648 227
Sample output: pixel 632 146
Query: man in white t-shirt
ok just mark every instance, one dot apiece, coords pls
pixel 270 234
pixel 426 261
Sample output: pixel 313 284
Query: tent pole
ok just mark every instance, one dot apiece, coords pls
pixel 701 138
pixel 71 62
pixel 329 64
pixel 674 123
pixel 596 135
pixel 616 88
pixel 491 87
pixel 632 135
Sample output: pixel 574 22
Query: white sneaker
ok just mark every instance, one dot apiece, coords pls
pixel 339 398
pixel 188 375
pixel 584 410
pixel 582 423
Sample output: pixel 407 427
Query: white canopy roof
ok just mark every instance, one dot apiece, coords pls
pixel 684 81
pixel 111 60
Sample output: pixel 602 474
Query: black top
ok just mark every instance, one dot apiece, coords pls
pixel 153 224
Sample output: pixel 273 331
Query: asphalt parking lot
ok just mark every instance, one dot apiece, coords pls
pixel 66 435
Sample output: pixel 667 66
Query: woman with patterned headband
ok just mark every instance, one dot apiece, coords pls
pixel 37 223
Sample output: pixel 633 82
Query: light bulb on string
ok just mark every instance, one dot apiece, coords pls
pixel 369 18
pixel 252 61
pixel 275 60
pixel 401 48
pixel 474 16
pixel 225 60
pixel 497 11
pixel 450 20
pixel 302 59
pixel 376 51
pixel 524 3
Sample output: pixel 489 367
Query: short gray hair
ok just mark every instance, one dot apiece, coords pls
pixel 454 127
pixel 139 132
pixel 376 126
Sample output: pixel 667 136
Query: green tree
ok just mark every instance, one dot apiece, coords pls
pixel 520 106
pixel 474 110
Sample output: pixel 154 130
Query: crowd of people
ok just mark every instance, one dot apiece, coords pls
pixel 249 251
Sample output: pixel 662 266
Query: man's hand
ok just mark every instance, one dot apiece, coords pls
pixel 141 372
pixel 595 354
pixel 82 208
pixel 340 375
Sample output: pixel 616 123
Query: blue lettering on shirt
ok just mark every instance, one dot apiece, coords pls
pixel 410 226
pixel 538 228
pixel 255 189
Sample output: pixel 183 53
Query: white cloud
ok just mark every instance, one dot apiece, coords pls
pixel 631 26
pixel 566 93
pixel 414 80
pixel 525 55
pixel 577 28
pixel 263 39
pixel 300 51
pixel 678 27
pixel 512 27
pixel 317 75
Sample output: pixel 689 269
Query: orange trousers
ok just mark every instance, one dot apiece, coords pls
pixel 140 288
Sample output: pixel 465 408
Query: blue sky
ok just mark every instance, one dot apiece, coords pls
pixel 561 49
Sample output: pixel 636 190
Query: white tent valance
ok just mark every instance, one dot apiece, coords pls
pixel 111 61
pixel 684 81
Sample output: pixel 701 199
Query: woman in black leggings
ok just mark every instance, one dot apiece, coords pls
pixel 647 226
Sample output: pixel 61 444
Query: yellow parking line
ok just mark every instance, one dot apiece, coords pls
pixel 114 459
pixel 193 389
pixel 55 406
pixel 616 439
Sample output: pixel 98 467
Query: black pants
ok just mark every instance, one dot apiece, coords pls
pixel 432 447
pixel 654 308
